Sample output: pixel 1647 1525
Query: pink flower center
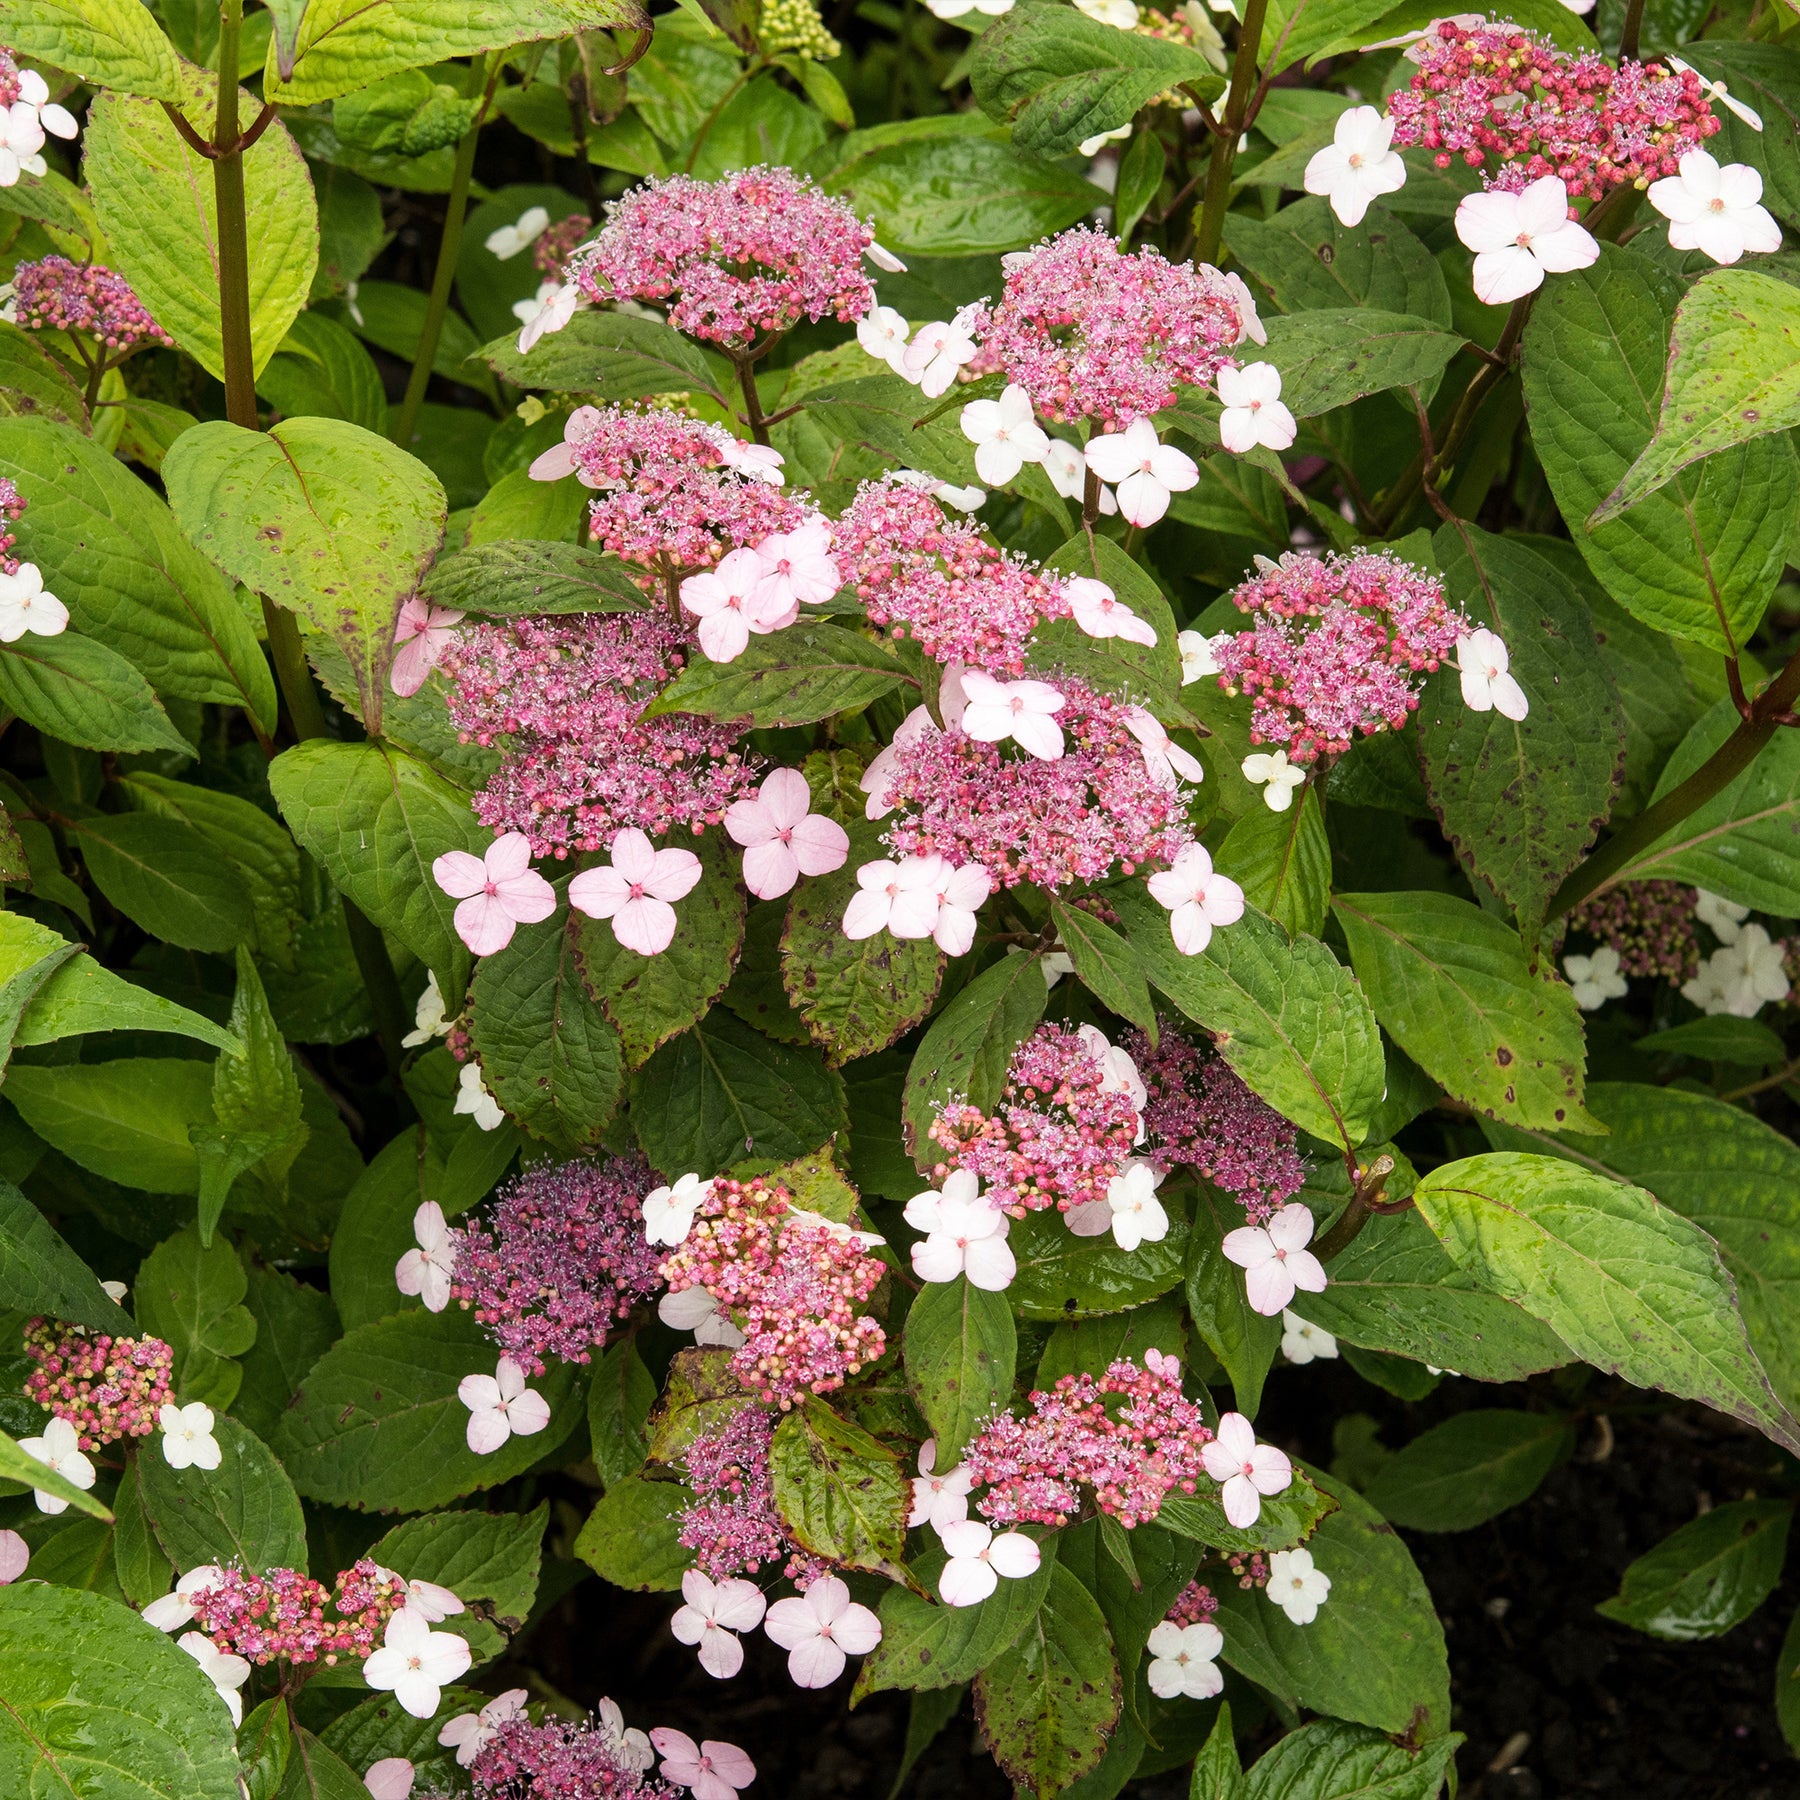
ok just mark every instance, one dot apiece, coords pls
pixel 637 890
pixel 786 834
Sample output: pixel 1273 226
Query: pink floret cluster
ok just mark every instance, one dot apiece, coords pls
pixel 1057 1137
pixel 559 1260
pixel 1649 923
pixel 1495 91
pixel 106 1387
pixel 288 1616
pixel 1129 1456
pixel 9 77
pixel 1193 1605
pixel 1093 332
pixel 732 1526
pixel 1094 809
pixel 792 1287
pixel 12 510
pixel 753 253
pixel 560 1759
pixel 937 580
pixel 564 698
pixel 54 294
pixel 1201 1115
pixel 557 243
pixel 665 497
pixel 1338 646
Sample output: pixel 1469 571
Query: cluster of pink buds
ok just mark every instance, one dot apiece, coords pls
pixel 597 1758
pixel 1063 1129
pixel 731 1525
pixel 1250 1567
pixel 559 1260
pixel 790 1280
pixel 1649 923
pixel 751 254
pixel 1193 1605
pixel 12 509
pixel 557 243
pixel 1105 796
pixel 1128 1456
pixel 107 1388
pixel 1093 332
pixel 939 581
pixel 54 294
pixel 1200 1115
pixel 565 698
pixel 1337 647
pixel 288 1616
pixel 671 494
pixel 1493 91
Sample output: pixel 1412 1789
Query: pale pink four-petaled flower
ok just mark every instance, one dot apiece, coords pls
pixel 1197 899
pixel 709 1770
pixel 1143 473
pixel 819 1629
pixel 1248 1472
pixel 1520 238
pixel 1255 414
pixel 500 1406
pixel 497 891
pixel 1024 711
pixel 421 635
pixel 416 1663
pixel 965 1235
pixel 782 837
pixel 469 1733
pixel 1275 1259
pixel 733 602
pixel 938 1499
pixel 978 1559
pixel 918 897
pixel 426 1270
pixel 1099 612
pixel 637 891
pixel 712 1615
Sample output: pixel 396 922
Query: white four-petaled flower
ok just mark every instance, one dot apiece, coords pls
pixel 1595 979
pixel 1296 1586
pixel 550 309
pixel 714 1613
pixel 669 1211
pixel 24 605
pixel 173 1610
pixel 416 1664
pixel 882 333
pixel 1303 1342
pixel 965 1235
pixel 426 1270
pixel 1184 1660
pixel 1024 711
pixel 1275 775
pixel 187 1436
pixel 1488 684
pixel 938 1500
pixel 1358 166
pixel 1715 210
pixel 226 1672
pixel 497 891
pixel 1520 238
pixel 1254 411
pixel 782 837
pixel 819 1629
pixel 936 353
pixel 1246 1470
pixel 978 1559
pixel 1275 1259
pixel 1137 1215
pixel 506 241
pixel 1143 472
pixel 1102 614
pixel 469 1733
pixel 1168 764
pixel 1005 435
pixel 473 1098
pixel 900 898
pixel 637 891
pixel 1197 899
pixel 1198 655
pixel 500 1405
pixel 59 1450
pixel 428 1015
pixel 695 1309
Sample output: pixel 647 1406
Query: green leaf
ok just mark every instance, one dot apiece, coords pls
pixel 885 415
pixel 339 45
pixel 140 168
pixel 1307 262
pixel 1046 1704
pixel 33 382
pixel 808 672
pixel 1522 800
pixel 243 1514
pixel 951 188
pixel 491 1557
pixel 620 1397
pixel 1282 861
pixel 1062 1276
pixel 1731 379
pixel 407 114
pixel 127 1120
pixel 331 521
pixel 1058 80
pixel 315 1772
pixel 1462 1473
pixel 295 1326
pixel 323 369
pixel 969 1044
pixel 1091 1344
pixel 20 1465
pixel 111 43
pixel 856 995
pixel 611 353
pixel 1627 1283
pixel 94 1702
pixel 1719 1038
pixel 1728 1173
pixel 840 1492
pixel 629 1538
pixel 1707 1577
pixel 166 877
pixel 144 1573
pixel 550 1057
pixel 926 1646
pixel 377 1422
pixel 81 692
pixel 376 820
pixel 39 1273
pixel 1107 965
pixel 1114 665
pixel 1452 985
pixel 190 1296
pixel 721 1093
pixel 1374 1655
pixel 379 1727
pixel 82 997
pixel 649 999
pixel 1328 359
pixel 109 548
pixel 523 576
pixel 265 1742
pixel 1787 1684
pixel 1396 1291
pixel 1327 1760
pixel 1288 1018
pixel 1240 1337
pixel 1141 171
pixel 1218 1775
pixel 1294 30
pixel 960 1352
pixel 1741 842
pixel 1702 557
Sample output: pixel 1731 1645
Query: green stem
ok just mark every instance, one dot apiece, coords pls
pixel 1224 148
pixel 753 412
pixel 1767 713
pixel 95 375
pixel 1629 31
pixel 483 76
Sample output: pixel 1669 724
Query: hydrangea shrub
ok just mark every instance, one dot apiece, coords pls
pixel 769 872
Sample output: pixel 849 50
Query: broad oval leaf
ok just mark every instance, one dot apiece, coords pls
pixel 243 1514
pixel 1463 1472
pixel 1710 1575
pixel 839 1490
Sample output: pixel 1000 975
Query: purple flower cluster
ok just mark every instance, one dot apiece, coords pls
pixel 58 295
